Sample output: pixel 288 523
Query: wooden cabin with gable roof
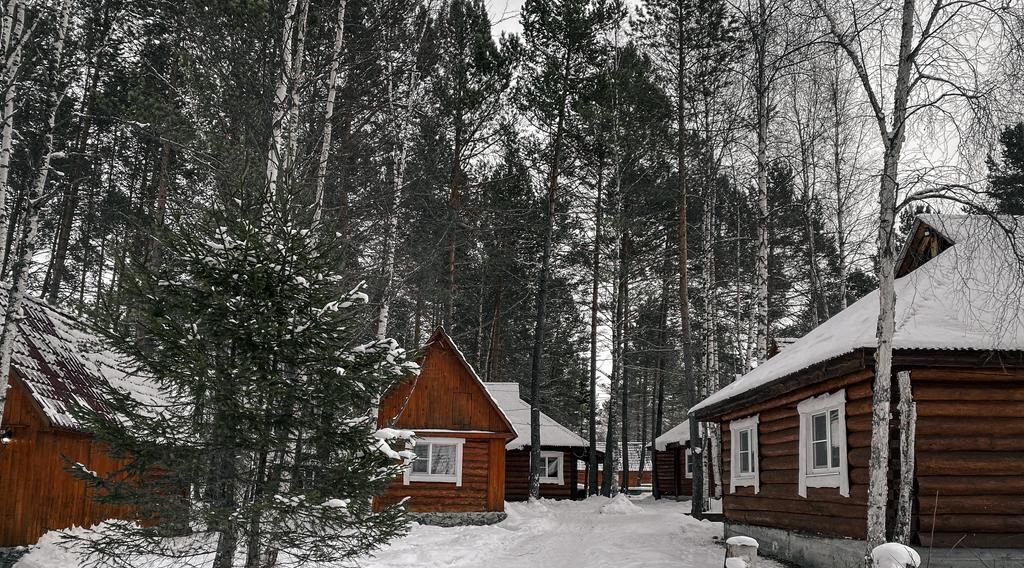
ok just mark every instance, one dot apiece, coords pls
pixel 796 430
pixel 56 364
pixel 460 436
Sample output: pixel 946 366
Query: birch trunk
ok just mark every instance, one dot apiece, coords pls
pixel 402 119
pixel 13 27
pixel 296 82
pixel 332 94
pixel 275 155
pixel 594 311
pixel 908 425
pixel 761 92
pixel 35 201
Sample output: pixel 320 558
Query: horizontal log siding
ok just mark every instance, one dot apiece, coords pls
pixel 517 477
pixel 668 482
pixel 970 457
pixel 435 497
pixel 777 504
pixel 37 493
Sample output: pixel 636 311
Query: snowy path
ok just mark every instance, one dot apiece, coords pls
pixel 596 533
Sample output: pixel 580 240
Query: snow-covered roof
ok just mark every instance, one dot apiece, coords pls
pixel 63 365
pixel 552 433
pixel 679 434
pixel 969 297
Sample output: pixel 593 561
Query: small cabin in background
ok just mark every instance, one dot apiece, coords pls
pixel 673 475
pixel 56 363
pixel 461 434
pixel 796 430
pixel 640 468
pixel 560 449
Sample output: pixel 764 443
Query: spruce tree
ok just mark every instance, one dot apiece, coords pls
pixel 263 439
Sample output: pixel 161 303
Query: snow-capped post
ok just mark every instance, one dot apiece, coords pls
pixel 740 552
pixel 894 555
pixel 908 425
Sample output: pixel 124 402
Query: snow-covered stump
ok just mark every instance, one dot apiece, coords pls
pixel 895 555
pixel 740 552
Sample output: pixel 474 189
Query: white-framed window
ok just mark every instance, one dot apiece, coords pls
pixel 551 468
pixel 823 443
pixel 744 470
pixel 438 460
pixel 689 463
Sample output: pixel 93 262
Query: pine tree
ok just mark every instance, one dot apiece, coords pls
pixel 264 437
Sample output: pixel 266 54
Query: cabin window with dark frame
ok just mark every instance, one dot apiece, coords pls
pixel 437 460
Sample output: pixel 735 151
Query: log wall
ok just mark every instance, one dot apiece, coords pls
pixel 517 477
pixel 37 493
pixel 970 457
pixel 777 504
pixel 481 489
pixel 671 466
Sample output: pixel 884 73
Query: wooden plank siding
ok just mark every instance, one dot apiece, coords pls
pixel 447 401
pixel 37 493
pixel 970 457
pixel 517 476
pixel 671 467
pixel 777 504
pixel 476 493
pixel 444 397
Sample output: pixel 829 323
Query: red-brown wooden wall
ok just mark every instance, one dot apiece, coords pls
pixel 517 477
pixel 446 396
pixel 37 493
pixel 777 504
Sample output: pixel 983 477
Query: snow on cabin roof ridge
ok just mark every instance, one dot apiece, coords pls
pixel 518 411
pixel 678 434
pixel 63 364
pixel 959 300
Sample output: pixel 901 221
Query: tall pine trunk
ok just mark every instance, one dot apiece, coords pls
pixel 592 488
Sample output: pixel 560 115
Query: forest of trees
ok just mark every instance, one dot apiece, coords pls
pixel 621 207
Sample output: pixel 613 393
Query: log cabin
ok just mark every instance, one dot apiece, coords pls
pixel 461 434
pixel 560 450
pixel 797 429
pixel 673 468
pixel 56 365
pixel 640 468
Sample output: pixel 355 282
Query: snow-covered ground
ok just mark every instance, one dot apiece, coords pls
pixel 596 533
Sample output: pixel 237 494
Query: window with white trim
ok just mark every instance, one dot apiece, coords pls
pixel 689 463
pixel 743 469
pixel 551 468
pixel 823 443
pixel 438 460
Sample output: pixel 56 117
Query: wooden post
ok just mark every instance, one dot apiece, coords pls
pixel 741 552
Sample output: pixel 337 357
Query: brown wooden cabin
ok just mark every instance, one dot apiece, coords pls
pixel 673 469
pixel 461 434
pixel 797 429
pixel 55 362
pixel 560 450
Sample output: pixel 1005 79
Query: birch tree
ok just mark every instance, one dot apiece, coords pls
pixel 911 58
pixel 328 130
pixel 13 37
pixel 35 201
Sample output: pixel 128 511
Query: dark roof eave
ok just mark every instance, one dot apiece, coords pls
pixel 835 367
